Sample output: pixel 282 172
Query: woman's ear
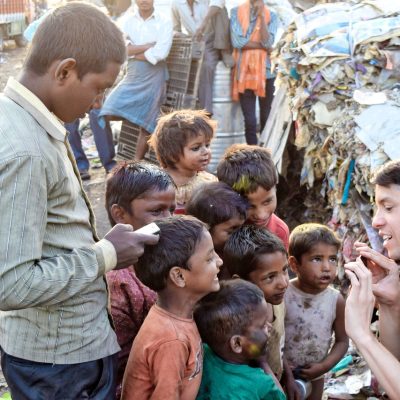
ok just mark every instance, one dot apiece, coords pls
pixel 118 214
pixel 177 277
pixel 293 264
pixel 236 344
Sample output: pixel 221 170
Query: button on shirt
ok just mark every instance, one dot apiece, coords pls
pixel 153 29
pixel 183 17
pixel 53 297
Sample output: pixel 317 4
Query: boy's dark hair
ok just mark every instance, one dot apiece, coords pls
pixel 388 174
pixel 228 312
pixel 245 167
pixel 215 203
pixel 304 237
pixel 80 31
pixel 246 245
pixel 175 129
pixel 179 236
pixel 133 180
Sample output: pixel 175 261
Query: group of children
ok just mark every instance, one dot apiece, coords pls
pixel 209 312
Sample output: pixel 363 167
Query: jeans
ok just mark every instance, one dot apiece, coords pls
pixel 102 138
pixel 44 381
pixel 248 105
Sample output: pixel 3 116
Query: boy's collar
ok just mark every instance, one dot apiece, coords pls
pixel 35 107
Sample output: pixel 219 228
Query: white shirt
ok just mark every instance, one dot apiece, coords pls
pixel 182 14
pixel 153 29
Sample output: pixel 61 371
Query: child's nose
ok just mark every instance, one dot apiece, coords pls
pixel 283 282
pixel 219 262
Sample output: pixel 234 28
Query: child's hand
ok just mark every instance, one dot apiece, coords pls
pixel 312 371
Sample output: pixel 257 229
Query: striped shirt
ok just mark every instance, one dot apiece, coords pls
pixel 53 297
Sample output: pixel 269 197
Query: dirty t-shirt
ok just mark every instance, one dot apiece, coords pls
pixel 184 192
pixel 166 359
pixel 308 325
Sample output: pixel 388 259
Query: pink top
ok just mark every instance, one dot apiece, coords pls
pixel 279 228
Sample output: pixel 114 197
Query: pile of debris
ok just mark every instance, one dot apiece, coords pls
pixel 340 65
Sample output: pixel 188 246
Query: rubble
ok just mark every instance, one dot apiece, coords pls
pixel 340 65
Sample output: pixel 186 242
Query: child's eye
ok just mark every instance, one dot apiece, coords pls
pixel 268 279
pixel 196 148
pixel 316 259
pixel 156 212
pixel 285 269
pixel 333 260
pixel 208 145
pixel 388 208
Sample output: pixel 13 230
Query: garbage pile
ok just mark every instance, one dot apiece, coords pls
pixel 340 63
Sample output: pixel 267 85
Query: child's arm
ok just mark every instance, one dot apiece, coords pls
pixel 292 391
pixel 338 349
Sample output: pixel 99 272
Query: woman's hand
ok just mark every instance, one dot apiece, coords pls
pixel 360 302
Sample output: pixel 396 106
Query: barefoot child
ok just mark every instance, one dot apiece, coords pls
pixel 254 254
pixel 314 310
pixel 250 171
pixel 221 208
pixel 137 193
pixel 166 356
pixel 233 324
pixel 182 145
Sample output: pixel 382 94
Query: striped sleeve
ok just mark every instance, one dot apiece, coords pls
pixel 27 279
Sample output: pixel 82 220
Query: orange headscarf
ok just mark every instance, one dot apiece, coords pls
pixel 250 64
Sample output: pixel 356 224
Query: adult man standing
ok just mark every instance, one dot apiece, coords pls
pixel 140 94
pixel 54 325
pixel 376 278
pixel 205 20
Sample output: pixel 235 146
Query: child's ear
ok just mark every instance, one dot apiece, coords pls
pixel 177 277
pixel 236 344
pixel 64 69
pixel 293 264
pixel 118 214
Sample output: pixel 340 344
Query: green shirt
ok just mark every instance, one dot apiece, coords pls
pixel 224 381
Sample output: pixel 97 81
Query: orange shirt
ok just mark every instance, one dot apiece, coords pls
pixel 166 359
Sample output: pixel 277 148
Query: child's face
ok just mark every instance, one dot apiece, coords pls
pixel 204 264
pixel 262 204
pixel 196 154
pixel 153 205
pixel 221 232
pixel 271 276
pixel 317 268
pixel 255 339
pixel 80 95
